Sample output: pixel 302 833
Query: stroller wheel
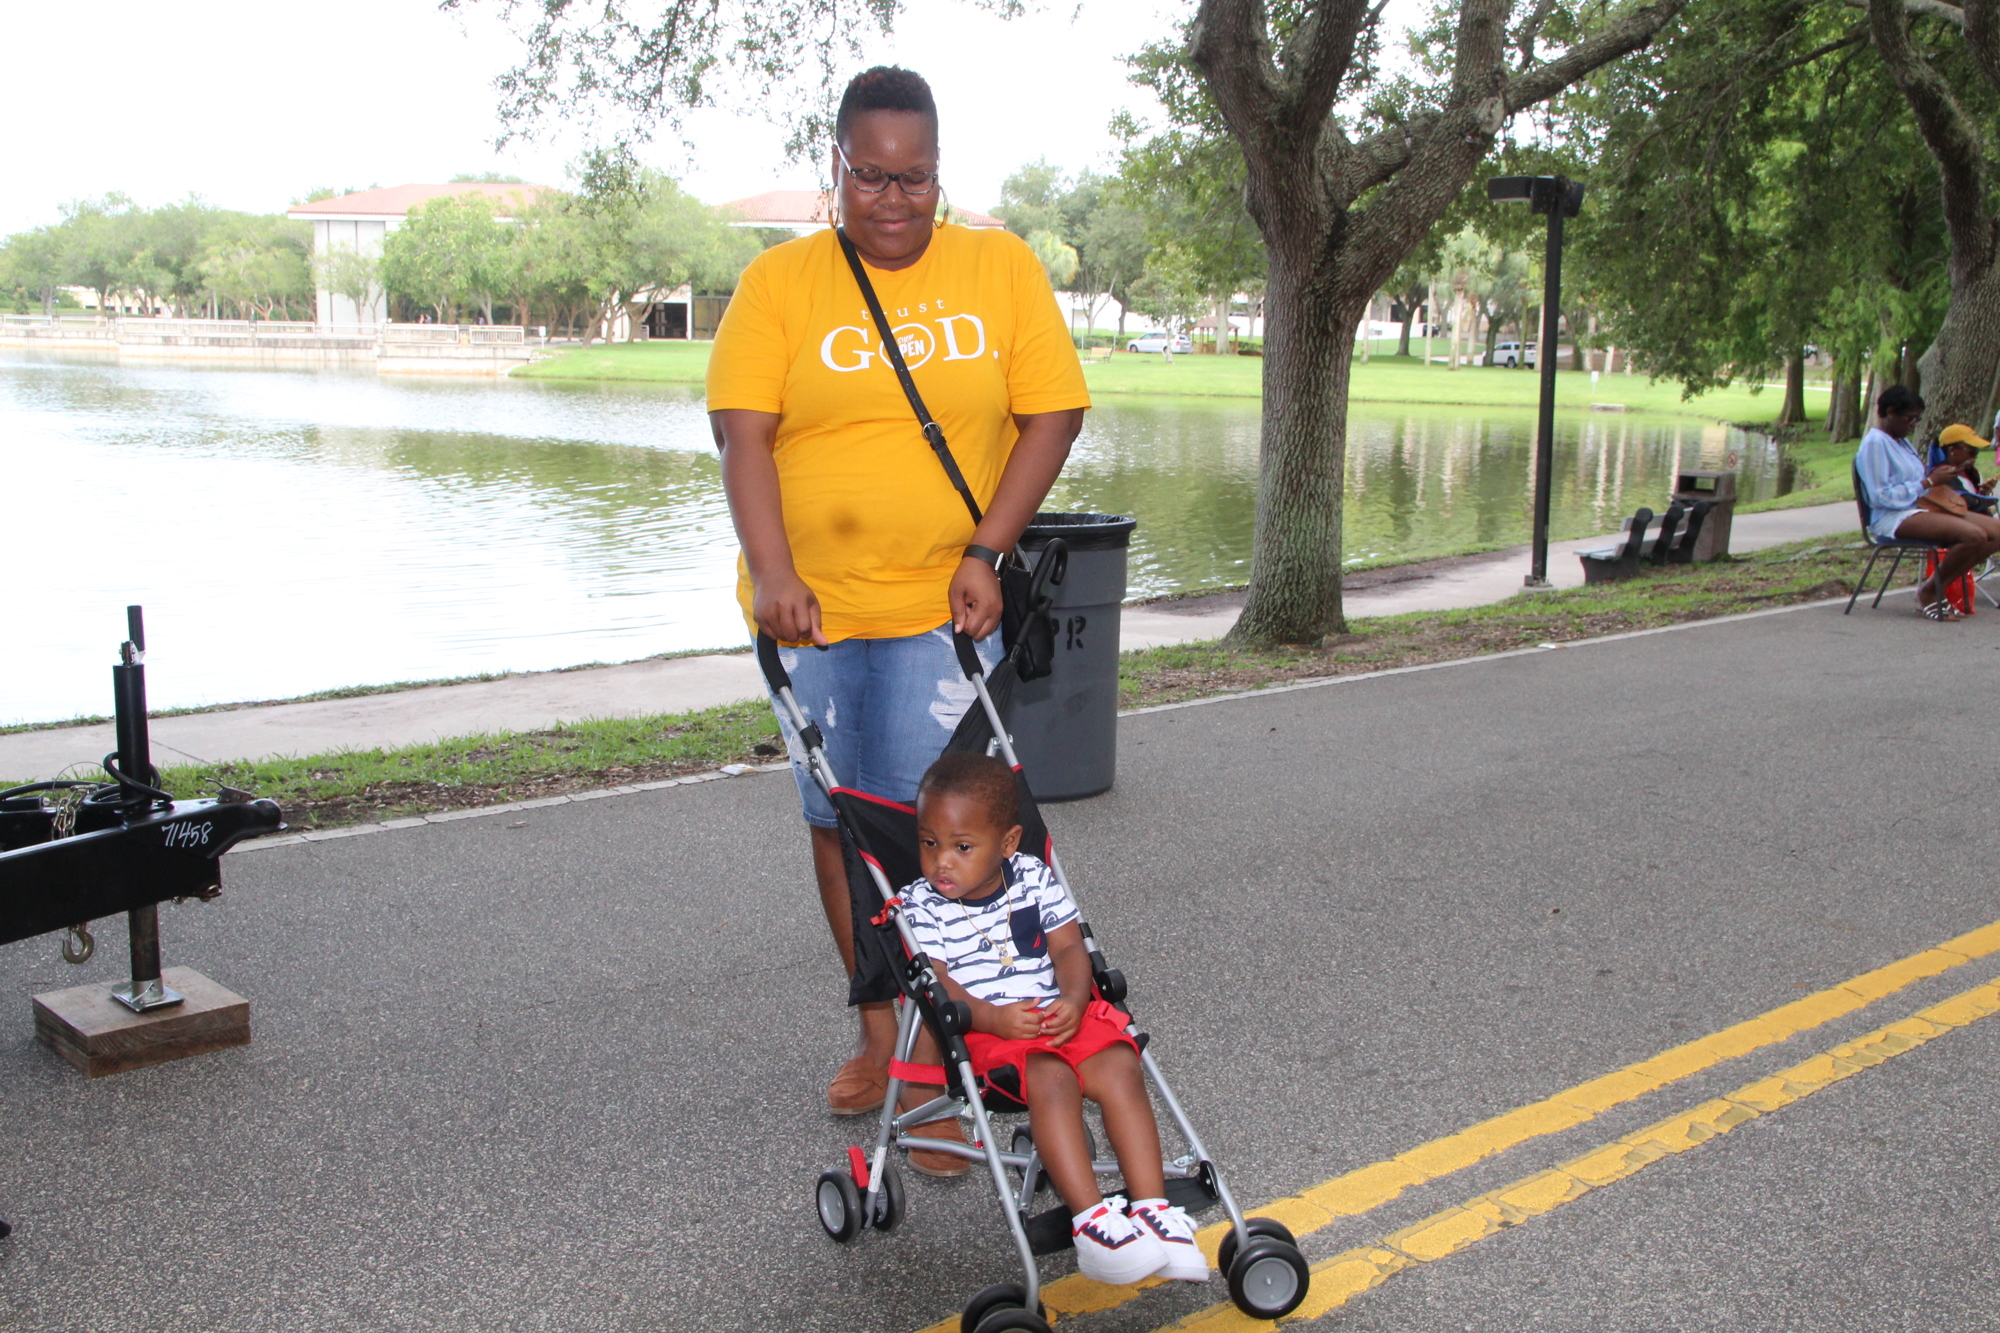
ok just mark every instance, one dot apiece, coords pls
pixel 890 1202
pixel 839 1205
pixel 1010 1297
pixel 1269 1278
pixel 1008 1319
pixel 1255 1226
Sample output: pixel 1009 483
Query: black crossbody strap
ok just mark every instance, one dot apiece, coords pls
pixel 933 432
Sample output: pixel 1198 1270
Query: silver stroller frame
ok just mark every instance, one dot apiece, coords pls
pixel 1267 1278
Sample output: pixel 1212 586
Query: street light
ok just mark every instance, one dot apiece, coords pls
pixel 1559 198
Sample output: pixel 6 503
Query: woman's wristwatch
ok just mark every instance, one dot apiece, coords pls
pixel 985 555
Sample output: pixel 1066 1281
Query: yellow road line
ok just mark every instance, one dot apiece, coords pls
pixel 1345 1276
pixel 1369 1187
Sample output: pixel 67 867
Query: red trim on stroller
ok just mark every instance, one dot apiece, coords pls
pixel 878 800
pixel 858 1164
pixel 913 1073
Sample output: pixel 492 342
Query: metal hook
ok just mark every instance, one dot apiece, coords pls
pixel 78 944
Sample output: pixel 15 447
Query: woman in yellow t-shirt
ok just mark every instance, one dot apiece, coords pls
pixel 854 538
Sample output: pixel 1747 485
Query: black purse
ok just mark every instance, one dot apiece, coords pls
pixel 1022 627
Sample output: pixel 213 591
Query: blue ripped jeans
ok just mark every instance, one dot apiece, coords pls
pixel 886 708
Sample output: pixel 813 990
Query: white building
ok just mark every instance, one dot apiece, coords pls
pixel 354 224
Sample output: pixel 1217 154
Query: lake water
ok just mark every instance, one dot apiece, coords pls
pixel 295 531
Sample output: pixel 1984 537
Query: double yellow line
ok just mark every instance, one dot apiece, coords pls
pixel 1359 1191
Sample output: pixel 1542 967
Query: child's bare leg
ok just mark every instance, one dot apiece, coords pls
pixel 925 1052
pixel 1055 1113
pixel 1113 1079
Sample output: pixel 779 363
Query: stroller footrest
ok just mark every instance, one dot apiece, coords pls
pixel 1049 1233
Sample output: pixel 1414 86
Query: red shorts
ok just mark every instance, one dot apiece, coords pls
pixel 1102 1028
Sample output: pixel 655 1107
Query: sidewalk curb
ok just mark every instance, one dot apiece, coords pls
pixel 513 807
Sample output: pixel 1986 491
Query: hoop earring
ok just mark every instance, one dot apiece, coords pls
pixel 943 215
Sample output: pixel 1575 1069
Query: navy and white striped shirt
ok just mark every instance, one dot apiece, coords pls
pixel 973 938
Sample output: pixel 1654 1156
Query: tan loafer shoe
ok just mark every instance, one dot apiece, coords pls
pixel 943 1165
pixel 858 1088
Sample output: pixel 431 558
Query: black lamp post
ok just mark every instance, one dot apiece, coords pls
pixel 1558 197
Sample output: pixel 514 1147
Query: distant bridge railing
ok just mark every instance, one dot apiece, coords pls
pixel 146 329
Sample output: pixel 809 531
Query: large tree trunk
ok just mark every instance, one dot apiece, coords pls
pixel 1792 411
pixel 1957 371
pixel 1295 552
pixel 1304 183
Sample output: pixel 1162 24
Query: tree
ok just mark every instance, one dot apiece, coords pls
pixel 1959 368
pixel 31 263
pixel 451 251
pixel 259 264
pixel 352 273
pixel 1059 261
pixel 1173 289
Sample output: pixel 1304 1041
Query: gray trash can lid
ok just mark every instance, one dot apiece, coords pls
pixel 1081 532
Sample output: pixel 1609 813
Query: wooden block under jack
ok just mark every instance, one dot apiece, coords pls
pixel 98 1035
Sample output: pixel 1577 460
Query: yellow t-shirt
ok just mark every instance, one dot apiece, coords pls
pixel 876 528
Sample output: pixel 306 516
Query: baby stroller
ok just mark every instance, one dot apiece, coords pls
pixel 1266 1273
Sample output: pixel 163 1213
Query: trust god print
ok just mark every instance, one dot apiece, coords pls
pixel 924 331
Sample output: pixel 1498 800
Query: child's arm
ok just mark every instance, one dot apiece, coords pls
pixel 1062 1016
pixel 1010 1022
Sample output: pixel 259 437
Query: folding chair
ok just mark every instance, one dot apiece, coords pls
pixel 1877 545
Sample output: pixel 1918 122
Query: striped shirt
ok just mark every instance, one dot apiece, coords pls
pixel 997 947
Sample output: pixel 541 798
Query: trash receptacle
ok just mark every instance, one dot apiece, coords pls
pixel 1719 488
pixel 1065 725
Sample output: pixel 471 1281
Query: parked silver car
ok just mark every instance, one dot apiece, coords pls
pixel 1510 354
pixel 1160 342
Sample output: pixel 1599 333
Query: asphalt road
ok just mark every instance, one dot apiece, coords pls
pixel 563 1069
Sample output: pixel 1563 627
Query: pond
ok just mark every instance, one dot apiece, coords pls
pixel 295 531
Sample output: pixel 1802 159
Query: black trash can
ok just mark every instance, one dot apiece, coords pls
pixel 1065 725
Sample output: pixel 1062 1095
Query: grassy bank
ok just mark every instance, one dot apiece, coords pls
pixel 1779 576
pixel 1385 379
pixel 328 790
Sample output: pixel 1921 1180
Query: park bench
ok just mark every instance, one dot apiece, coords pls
pixel 1670 544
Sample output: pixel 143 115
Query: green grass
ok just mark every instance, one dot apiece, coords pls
pixel 1781 575
pixel 1384 379
pixel 345 787
pixel 666 361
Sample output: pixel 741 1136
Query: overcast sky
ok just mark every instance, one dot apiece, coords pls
pixel 252 103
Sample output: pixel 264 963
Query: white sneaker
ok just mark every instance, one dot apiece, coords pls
pixel 1111 1247
pixel 1174 1229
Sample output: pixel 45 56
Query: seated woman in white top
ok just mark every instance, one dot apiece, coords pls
pixel 1893 477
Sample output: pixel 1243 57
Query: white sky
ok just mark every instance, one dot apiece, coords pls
pixel 251 103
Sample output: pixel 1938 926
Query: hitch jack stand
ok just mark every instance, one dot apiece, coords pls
pixel 135 759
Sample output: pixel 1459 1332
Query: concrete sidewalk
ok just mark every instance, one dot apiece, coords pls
pixel 544 699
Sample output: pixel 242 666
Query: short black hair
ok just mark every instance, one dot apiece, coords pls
pixel 1898 398
pixel 978 777
pixel 884 88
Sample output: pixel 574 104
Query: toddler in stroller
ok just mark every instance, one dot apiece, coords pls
pixel 1026 1055
pixel 1002 934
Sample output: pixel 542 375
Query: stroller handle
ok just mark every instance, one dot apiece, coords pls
pixel 775 674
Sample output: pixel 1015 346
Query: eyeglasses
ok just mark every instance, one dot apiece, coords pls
pixel 869 180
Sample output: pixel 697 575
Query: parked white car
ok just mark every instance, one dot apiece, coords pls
pixel 1510 354
pixel 1160 342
